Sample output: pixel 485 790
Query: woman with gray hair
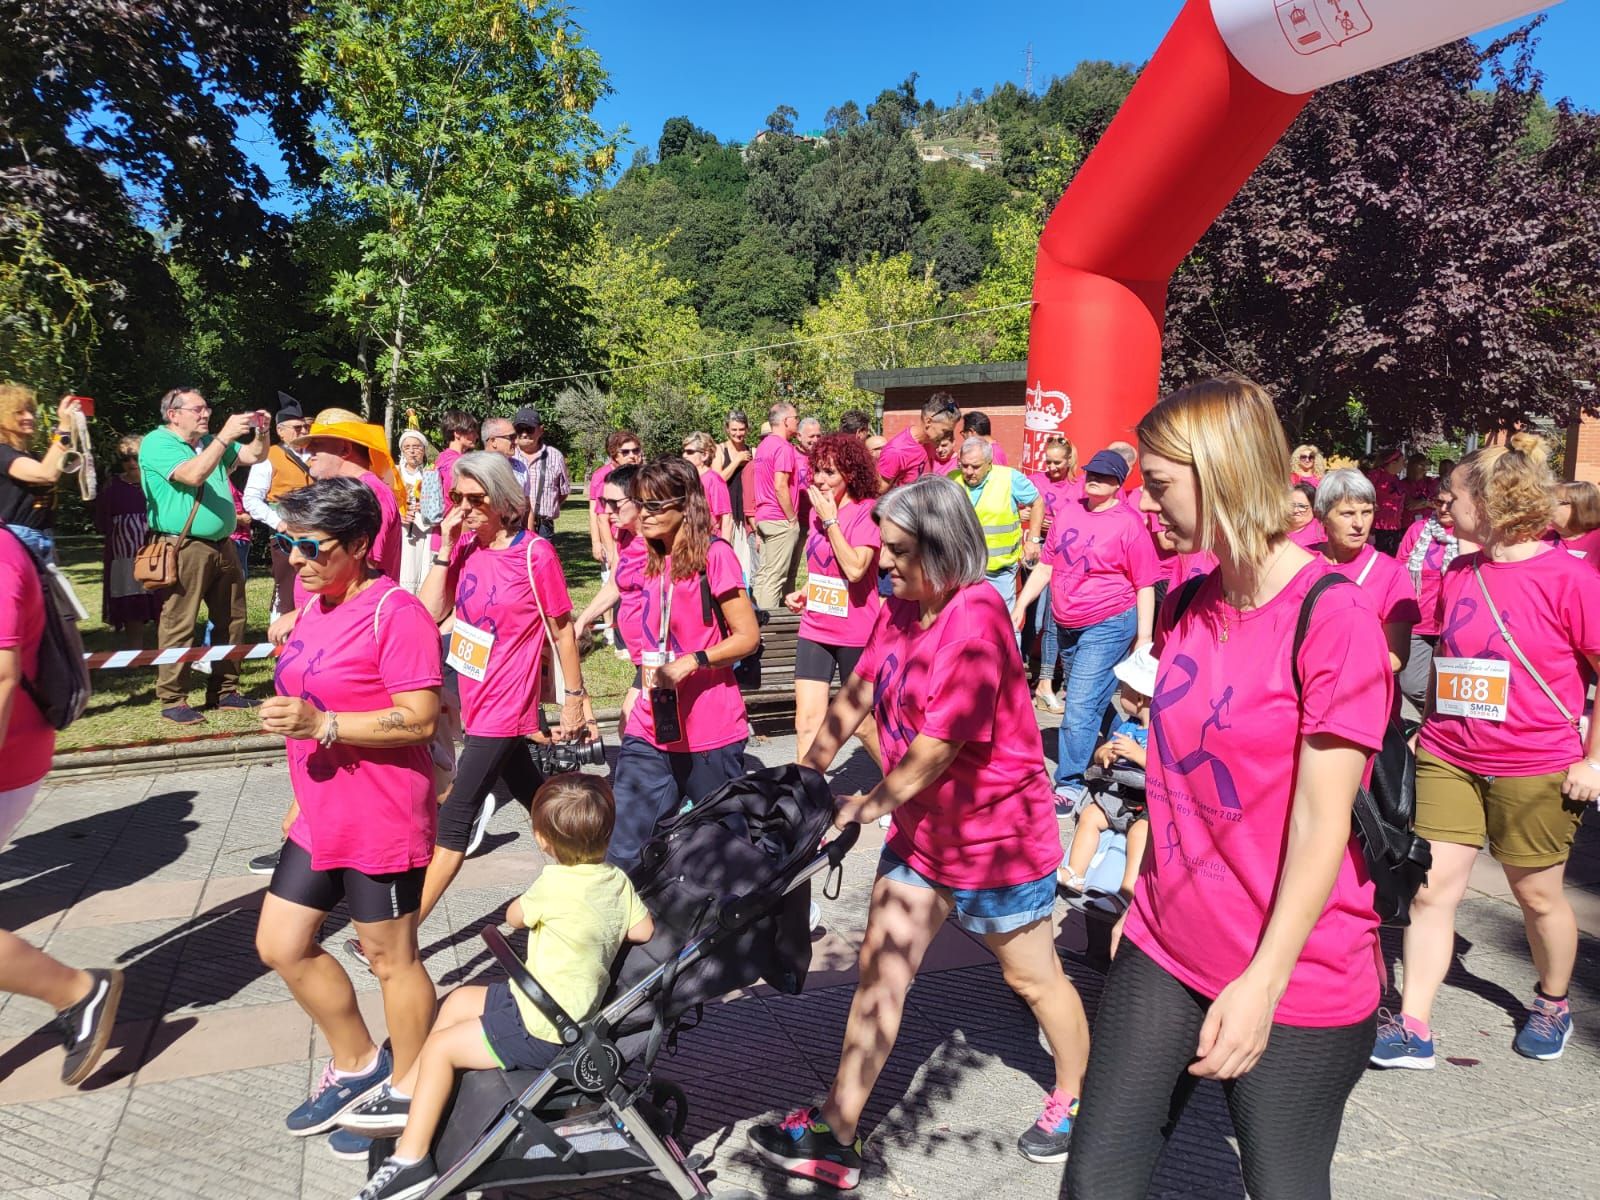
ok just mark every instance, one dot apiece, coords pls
pixel 973 833
pixel 1346 504
pixel 502 587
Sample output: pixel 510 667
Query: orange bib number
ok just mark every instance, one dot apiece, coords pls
pixel 1475 688
pixel 827 595
pixel 469 650
pixel 650 662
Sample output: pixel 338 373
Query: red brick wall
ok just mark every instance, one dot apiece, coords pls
pixel 1583 451
pixel 1003 402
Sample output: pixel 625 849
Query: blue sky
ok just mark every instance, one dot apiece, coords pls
pixel 727 65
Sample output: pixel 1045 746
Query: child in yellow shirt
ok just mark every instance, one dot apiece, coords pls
pixel 578 912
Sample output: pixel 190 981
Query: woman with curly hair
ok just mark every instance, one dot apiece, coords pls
pixel 1306 465
pixel 1500 758
pixel 840 599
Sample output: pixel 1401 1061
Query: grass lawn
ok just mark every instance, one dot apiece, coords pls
pixel 123 710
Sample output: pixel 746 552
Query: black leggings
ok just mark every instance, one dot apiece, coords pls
pixel 482 761
pixel 1286 1112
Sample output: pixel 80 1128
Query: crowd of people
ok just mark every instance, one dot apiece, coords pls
pixel 1219 710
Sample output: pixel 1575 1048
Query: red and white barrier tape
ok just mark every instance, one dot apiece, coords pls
pixel 116 660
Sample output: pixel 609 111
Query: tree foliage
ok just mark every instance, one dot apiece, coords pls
pixel 464 136
pixel 47 324
pixel 1408 248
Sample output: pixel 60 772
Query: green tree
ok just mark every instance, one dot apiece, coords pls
pixel 758 286
pixel 47 324
pixel 1003 336
pixel 845 333
pixel 463 132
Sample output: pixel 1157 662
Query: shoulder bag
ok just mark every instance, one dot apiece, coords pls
pixel 155 566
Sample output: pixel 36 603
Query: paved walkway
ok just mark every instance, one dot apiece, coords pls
pixel 148 871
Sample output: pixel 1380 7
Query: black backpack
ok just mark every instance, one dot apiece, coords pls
pixel 1385 812
pixel 60 688
pixel 747 671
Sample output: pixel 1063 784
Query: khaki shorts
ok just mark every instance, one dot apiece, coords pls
pixel 1526 820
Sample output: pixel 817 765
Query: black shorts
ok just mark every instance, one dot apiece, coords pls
pixel 508 1038
pixel 813 660
pixel 370 898
pixel 484 762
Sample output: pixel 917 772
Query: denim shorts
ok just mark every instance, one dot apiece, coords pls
pixel 982 910
pixel 513 1047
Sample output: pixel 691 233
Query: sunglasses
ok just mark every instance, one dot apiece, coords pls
pixel 629 452
pixel 310 549
pixel 1307 457
pixel 613 505
pixel 660 506
pixel 475 499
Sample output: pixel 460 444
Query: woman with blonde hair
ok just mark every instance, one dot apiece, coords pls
pixel 1250 954
pixel 423 508
pixel 1577 520
pixel 700 449
pixel 1306 465
pixel 1500 759
pixel 27 480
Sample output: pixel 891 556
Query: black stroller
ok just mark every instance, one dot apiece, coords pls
pixel 728 882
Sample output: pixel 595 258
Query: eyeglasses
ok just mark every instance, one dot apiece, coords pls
pixel 1307 457
pixel 475 499
pixel 295 428
pixel 310 548
pixel 194 408
pixel 629 452
pixel 1299 508
pixel 498 437
pixel 660 506
pixel 613 505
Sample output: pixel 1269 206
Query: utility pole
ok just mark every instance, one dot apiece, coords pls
pixel 1027 71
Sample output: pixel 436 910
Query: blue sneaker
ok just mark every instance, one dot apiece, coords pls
pixel 345 1143
pixel 333 1096
pixel 1048 1139
pixel 1545 1035
pixel 1069 799
pixel 1397 1046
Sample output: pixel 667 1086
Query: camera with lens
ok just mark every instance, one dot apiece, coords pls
pixel 556 758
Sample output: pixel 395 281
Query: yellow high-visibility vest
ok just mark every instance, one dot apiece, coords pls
pixel 1002 523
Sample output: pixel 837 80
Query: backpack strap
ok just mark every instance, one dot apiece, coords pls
pixel 1186 594
pixel 1331 580
pixel 709 610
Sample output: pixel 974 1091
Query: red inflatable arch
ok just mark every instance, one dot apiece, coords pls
pixel 1225 83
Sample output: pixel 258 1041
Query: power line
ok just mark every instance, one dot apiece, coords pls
pixel 524 384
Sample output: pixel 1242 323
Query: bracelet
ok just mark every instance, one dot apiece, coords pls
pixel 702 659
pixel 576 695
pixel 829 523
pixel 330 731
pixel 440 562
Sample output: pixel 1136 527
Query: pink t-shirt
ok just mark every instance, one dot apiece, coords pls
pixel 1585 546
pixel 1551 605
pixel 1390 508
pixel 710 709
pixel 717 498
pixel 1308 536
pixel 597 482
pixel 774 455
pixel 946 466
pixel 1178 569
pixel 1133 498
pixel 862 599
pixel 1386 583
pixel 491 594
pixel 999 452
pixel 1425 488
pixel 1220 785
pixel 30 741
pixel 1431 574
pixel 1099 561
pixel 1313 480
pixel 903 459
pixel 1056 493
pixel 989 820
pixel 361 807
pixel 632 555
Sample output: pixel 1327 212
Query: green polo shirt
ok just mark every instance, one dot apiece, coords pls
pixel 163 452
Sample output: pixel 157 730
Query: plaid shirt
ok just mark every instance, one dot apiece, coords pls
pixel 546 481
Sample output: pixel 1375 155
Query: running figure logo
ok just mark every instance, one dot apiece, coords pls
pixel 1177 683
pixel 1313 25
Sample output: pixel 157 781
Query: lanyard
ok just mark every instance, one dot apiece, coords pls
pixel 666 602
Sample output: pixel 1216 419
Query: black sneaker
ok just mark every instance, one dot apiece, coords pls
pixel 394 1181
pixel 803 1145
pixel 1048 1138
pixel 86 1026
pixel 381 1115
pixel 182 714
pixel 265 864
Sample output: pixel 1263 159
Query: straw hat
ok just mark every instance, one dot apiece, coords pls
pixel 359 433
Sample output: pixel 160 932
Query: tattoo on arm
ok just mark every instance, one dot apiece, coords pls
pixel 396 720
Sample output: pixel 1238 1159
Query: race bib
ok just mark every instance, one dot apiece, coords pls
pixel 1476 688
pixel 469 650
pixel 827 595
pixel 650 662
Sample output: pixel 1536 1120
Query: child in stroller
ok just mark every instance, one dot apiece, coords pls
pixel 727 881
pixel 579 912
pixel 1114 810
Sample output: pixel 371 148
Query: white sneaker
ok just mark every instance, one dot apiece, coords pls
pixel 886 820
pixel 814 917
pixel 203 667
pixel 480 824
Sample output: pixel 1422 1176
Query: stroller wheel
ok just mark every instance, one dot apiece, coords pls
pixel 664 1095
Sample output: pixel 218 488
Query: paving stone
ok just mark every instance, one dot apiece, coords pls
pixel 57 1141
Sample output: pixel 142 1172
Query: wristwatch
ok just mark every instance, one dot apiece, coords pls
pixel 829 523
pixel 1037 541
pixel 702 659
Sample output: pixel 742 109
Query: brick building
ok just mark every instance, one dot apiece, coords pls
pixel 993 388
